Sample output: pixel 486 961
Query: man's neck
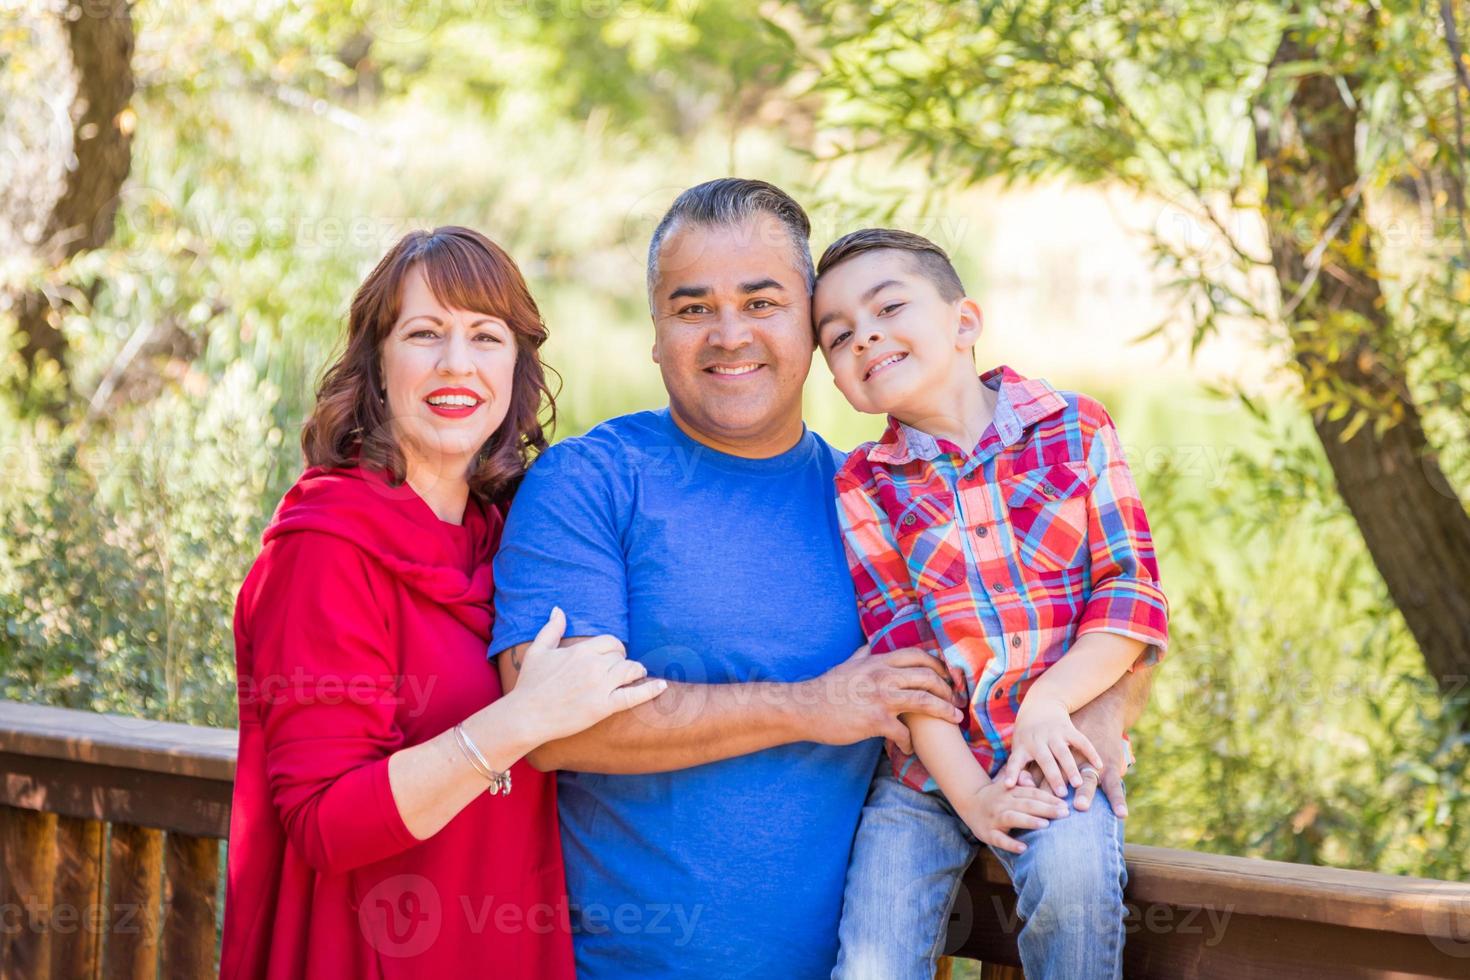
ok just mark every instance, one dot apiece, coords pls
pixel 780 437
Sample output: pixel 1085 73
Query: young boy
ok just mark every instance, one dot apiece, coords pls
pixel 996 525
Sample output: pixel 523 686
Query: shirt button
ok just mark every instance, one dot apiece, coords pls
pixel 909 519
pixel 982 531
pixel 1016 640
pixel 1000 692
pixel 1048 489
pixel 998 586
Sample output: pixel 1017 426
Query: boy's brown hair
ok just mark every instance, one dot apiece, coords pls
pixel 931 261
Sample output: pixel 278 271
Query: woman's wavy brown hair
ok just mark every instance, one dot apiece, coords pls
pixel 350 423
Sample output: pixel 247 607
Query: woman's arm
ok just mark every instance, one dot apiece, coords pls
pixel 563 690
pixel 324 681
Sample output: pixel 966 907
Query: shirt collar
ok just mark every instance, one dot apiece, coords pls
pixel 1021 402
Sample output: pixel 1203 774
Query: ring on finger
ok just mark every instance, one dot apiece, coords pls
pixel 1090 771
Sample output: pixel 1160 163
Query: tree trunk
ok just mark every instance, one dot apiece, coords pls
pixel 1414 523
pixel 101 41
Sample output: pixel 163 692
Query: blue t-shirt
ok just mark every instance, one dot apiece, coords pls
pixel 713 569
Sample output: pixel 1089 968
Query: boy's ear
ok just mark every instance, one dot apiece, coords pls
pixel 972 324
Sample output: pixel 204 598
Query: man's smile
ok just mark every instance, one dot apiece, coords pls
pixel 743 369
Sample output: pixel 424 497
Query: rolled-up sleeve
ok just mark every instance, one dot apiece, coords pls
pixel 1126 597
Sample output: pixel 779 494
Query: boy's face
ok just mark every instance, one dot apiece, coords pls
pixel 890 339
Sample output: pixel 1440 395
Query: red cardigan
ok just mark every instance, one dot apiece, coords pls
pixel 361 629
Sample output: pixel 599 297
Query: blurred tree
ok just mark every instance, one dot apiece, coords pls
pixel 1336 124
pixel 85 191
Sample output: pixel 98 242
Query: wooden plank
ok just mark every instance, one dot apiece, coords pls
pixel 1255 948
pixel 1278 889
pixel 196 806
pixel 116 740
pixel 995 971
pixel 1202 941
pixel 191 879
pixel 27 863
pixel 1332 896
pixel 77 911
pixel 134 884
pixel 944 969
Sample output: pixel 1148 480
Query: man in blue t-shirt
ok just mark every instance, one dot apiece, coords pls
pixel 707 833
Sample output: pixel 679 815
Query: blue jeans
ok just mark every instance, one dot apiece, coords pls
pixel 909 856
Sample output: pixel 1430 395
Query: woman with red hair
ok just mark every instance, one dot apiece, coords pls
pixel 384 823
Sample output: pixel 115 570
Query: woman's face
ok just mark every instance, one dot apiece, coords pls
pixel 448 374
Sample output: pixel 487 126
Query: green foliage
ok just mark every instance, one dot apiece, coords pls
pixel 1295 721
pixel 1166 97
pixel 122 558
pixel 283 146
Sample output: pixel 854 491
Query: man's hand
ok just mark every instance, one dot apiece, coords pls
pixel 863 696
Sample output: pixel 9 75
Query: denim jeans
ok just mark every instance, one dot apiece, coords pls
pixel 910 854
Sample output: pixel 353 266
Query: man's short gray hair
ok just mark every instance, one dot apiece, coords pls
pixel 733 201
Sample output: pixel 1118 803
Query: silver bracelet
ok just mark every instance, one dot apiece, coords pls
pixel 499 781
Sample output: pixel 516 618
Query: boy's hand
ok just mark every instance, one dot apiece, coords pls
pixel 1044 734
pixel 994 810
pixel 1103 721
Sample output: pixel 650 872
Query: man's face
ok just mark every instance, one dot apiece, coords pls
pixel 732 330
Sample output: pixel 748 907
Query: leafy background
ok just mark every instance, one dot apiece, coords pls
pixel 281 147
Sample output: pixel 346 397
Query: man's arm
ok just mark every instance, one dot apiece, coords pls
pixel 691 724
pixel 1103 721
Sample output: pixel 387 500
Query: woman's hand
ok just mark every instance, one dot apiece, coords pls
pixel 995 809
pixel 565 689
pixel 1044 734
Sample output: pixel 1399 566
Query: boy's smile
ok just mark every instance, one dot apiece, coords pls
pixel 883 363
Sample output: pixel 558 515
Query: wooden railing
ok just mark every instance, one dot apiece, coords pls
pixel 110 833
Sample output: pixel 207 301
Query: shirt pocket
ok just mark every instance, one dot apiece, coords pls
pixel 1047 510
pixel 929 539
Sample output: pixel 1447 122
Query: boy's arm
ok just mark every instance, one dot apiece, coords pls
pixel 1092 665
pixel 888 604
pixel 942 748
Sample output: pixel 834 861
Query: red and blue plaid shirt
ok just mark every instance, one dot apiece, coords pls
pixel 996 560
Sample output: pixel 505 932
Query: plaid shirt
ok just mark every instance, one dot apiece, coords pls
pixel 997 560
